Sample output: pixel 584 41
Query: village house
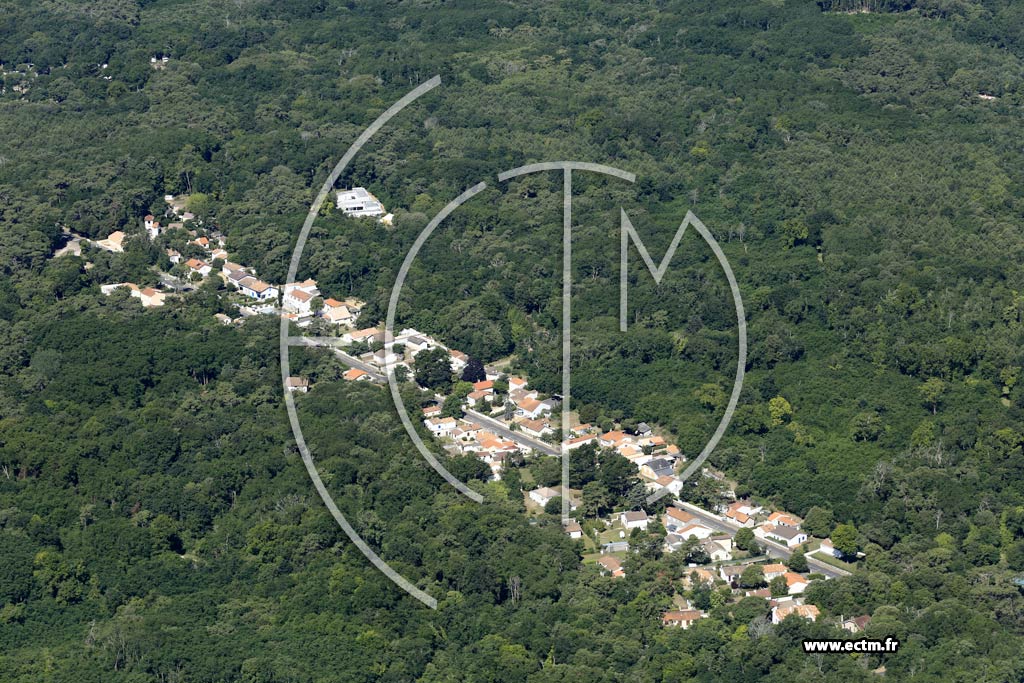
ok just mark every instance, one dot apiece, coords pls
pixel 543 495
pixel 855 624
pixel 152 226
pixel 367 336
pixel 681 618
pixel 201 268
pixel 578 441
pixel 773 570
pixel 440 426
pixel 613 439
pixel 536 428
pixel 644 430
pixel 516 383
pixel 694 529
pixel 297 384
pixel 657 467
pixel 731 573
pixel 611 565
pixel 257 289
pixel 795 583
pixel 700 575
pixel 298 297
pixel 573 529
pixel 114 242
pixel 532 408
pixel 676 518
pixel 787 535
pixel 222 318
pixel 356 375
pixel 784 519
pixel 672 483
pixel 635 519
pixel 780 612
pixel 432 411
pixel 337 312
pixel 717 550
pixel 459 360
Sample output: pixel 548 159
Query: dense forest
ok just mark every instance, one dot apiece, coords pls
pixel 858 161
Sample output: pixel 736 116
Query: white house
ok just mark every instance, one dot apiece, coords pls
pixel 573 529
pixel 544 495
pixel 440 426
pixel 684 618
pixel 359 202
pixel 298 297
pixel 257 289
pixel 197 266
pixel 635 519
pixel 368 336
pixel 297 384
pixel 531 408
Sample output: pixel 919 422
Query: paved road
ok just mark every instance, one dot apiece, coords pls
pixel 772 549
pixel 351 361
pixel 500 429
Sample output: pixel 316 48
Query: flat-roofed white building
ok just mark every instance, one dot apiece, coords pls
pixel 359 202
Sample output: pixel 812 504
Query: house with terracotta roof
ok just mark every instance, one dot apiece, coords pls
pixel 784 519
pixel 367 336
pixel 536 428
pixel 432 411
pixel 297 384
pixel 682 618
pixel 611 565
pixel 516 383
pixel 151 297
pixel 613 439
pixel 114 242
pixel 459 360
pixel 202 268
pixel 795 582
pixel 532 408
pixel 676 518
pixel 356 375
pixel 257 289
pixel 780 612
pixel 298 297
pixel 578 441
pixel 855 624
pixel 573 529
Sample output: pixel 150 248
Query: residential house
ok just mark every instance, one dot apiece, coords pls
pixel 784 519
pixel 201 267
pixel 356 375
pixel 676 518
pixel 223 319
pixel 153 228
pixel 297 384
pixel 644 430
pixel 532 408
pixel 578 441
pixel 658 467
pixel 786 535
pixel 773 570
pixel 440 426
pixel 257 289
pixel 298 297
pixel 635 519
pixel 536 428
pixel 698 531
pixel 795 582
pixel 717 550
pixel 573 529
pixel 672 483
pixel 359 202
pixel 459 360
pixel 611 565
pixel 731 573
pixel 150 297
pixel 613 439
pixel 516 383
pixel 681 618
pixel 114 242
pixel 700 575
pixel 855 624
pixel 780 612
pixel 543 495
pixel 432 411
pixel 367 336
pixel 827 548
pixel 337 312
